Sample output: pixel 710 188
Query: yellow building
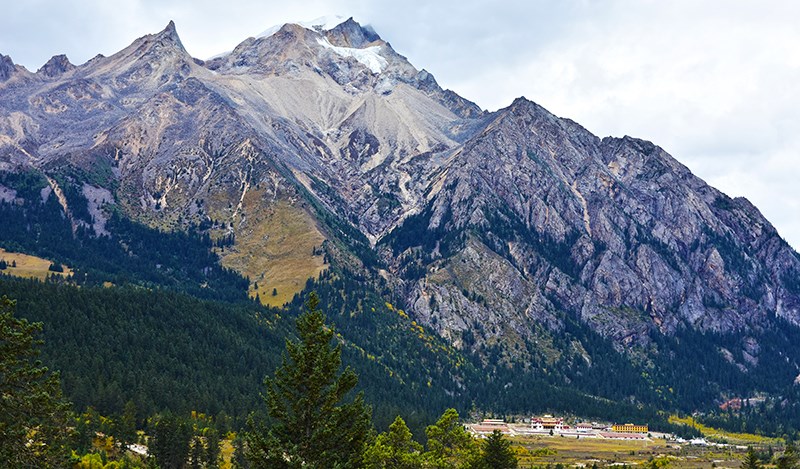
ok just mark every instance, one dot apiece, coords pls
pixel 629 428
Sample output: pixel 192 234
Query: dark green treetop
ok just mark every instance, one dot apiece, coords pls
pixel 170 442
pixel 394 449
pixel 33 414
pixel 497 453
pixel 789 458
pixel 449 444
pixel 312 424
pixel 750 460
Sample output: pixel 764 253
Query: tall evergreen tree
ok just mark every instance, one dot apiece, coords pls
pixel 126 426
pixel 497 453
pixel 449 444
pixel 170 442
pixel 312 424
pixel 394 449
pixel 789 458
pixel 750 460
pixel 213 451
pixel 196 453
pixel 239 458
pixel 33 414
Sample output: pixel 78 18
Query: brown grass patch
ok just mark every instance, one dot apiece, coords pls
pixel 544 450
pixel 274 249
pixel 28 266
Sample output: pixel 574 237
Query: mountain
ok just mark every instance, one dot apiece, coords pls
pixel 614 231
pixel 516 236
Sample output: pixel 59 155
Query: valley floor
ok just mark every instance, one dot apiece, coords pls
pixel 572 452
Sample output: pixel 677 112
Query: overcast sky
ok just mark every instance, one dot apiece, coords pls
pixel 715 83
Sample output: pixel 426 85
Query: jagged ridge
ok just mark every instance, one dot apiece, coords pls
pixel 493 228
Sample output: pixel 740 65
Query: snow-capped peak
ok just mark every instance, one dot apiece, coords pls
pixel 323 23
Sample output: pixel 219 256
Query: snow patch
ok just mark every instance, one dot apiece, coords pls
pixel 369 56
pixel 323 23
pixel 269 32
pixel 220 55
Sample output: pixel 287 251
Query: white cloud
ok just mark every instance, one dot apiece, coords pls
pixel 714 82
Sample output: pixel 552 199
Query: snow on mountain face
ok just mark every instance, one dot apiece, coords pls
pixel 320 25
pixel 369 56
pixel 323 23
pixel 560 218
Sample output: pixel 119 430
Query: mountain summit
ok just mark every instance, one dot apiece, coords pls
pixel 501 232
pixel 7 67
pixel 57 65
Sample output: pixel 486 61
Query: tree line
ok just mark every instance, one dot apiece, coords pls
pixel 311 418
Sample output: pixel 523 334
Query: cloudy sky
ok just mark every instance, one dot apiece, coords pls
pixel 715 83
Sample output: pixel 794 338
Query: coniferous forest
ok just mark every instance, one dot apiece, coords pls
pixel 151 336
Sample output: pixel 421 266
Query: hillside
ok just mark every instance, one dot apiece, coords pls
pixel 515 241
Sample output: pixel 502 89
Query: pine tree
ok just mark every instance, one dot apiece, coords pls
pixel 394 449
pixel 449 444
pixel 170 442
pixel 239 457
pixel 33 414
pixel 789 458
pixel 750 460
pixel 196 453
pixel 311 423
pixel 126 426
pixel 497 453
pixel 213 452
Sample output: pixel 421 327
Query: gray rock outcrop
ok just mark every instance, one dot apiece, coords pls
pixel 499 224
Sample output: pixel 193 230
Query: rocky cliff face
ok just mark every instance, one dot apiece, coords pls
pixel 494 225
pixel 613 231
pixel 6 67
pixel 57 65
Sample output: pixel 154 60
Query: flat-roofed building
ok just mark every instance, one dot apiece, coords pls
pixel 629 428
pixel 487 426
pixel 584 427
pixel 622 436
